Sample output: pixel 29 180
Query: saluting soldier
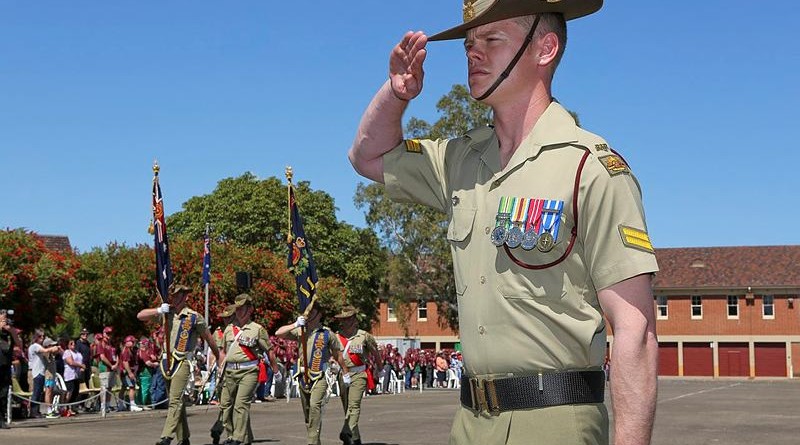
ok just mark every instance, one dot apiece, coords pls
pixel 244 341
pixel 359 347
pixel 186 327
pixel 321 344
pixel 547 230
pixel 224 415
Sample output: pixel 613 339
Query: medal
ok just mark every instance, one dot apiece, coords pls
pixel 545 242
pixel 500 232
pixel 551 217
pixel 529 239
pixel 515 233
pixel 499 235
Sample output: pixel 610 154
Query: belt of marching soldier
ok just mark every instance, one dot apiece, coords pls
pixel 547 388
pixel 241 365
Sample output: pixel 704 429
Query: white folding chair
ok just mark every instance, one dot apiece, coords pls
pixel 452 379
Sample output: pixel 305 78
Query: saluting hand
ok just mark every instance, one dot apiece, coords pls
pixel 405 65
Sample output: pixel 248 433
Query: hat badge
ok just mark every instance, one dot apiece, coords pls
pixel 469 10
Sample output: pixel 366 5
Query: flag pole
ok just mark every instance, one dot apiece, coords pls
pixel 164 298
pixel 303 334
pixel 207 282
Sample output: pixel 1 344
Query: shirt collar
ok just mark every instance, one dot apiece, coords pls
pixel 555 126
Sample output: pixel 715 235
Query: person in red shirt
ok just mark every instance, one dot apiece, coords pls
pixel 127 368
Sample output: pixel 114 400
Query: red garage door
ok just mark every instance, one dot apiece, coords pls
pixel 667 359
pixel 770 360
pixel 734 360
pixel 698 359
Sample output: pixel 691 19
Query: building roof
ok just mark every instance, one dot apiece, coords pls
pixel 728 267
pixel 59 243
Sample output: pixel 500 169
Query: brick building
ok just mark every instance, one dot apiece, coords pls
pixel 721 311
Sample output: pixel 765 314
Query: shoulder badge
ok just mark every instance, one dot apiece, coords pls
pixel 413 146
pixel 614 164
pixel 601 147
pixel 635 238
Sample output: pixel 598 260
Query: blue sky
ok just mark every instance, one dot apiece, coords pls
pixel 700 98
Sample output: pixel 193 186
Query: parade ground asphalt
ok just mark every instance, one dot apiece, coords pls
pixel 690 412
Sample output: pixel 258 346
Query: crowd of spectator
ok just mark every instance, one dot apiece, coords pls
pixel 128 368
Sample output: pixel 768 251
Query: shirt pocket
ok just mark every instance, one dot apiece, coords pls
pixel 459 234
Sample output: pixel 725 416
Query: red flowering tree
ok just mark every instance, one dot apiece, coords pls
pixel 33 279
pixel 117 281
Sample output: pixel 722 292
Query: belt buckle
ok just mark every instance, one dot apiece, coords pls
pixel 476 393
pixel 490 400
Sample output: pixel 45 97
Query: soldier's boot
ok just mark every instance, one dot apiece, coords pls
pixel 356 442
pixel 345 435
pixel 216 432
pixel 164 441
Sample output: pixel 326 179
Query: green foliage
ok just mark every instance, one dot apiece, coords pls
pixel 249 212
pixel 34 280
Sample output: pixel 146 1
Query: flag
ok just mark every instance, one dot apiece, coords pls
pixel 163 267
pixel 300 261
pixel 206 259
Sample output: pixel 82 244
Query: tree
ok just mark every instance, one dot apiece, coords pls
pixel 34 281
pixel 420 266
pixel 247 211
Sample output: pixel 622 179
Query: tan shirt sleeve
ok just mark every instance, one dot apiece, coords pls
pixel 612 226
pixel 414 171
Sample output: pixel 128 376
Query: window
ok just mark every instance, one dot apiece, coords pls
pixel 390 315
pixel 697 307
pixel 733 307
pixel 768 307
pixel 661 307
pixel 422 310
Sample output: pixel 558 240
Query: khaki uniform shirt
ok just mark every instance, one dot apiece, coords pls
pixel 512 319
pixel 198 327
pixel 362 343
pixel 253 336
pixel 333 344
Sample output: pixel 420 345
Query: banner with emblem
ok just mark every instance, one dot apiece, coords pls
pixel 161 245
pixel 300 261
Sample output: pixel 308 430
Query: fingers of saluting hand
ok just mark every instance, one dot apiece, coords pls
pixel 405 65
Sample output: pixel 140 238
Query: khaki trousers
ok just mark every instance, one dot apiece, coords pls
pixel 237 396
pixel 351 402
pixel 176 425
pixel 312 408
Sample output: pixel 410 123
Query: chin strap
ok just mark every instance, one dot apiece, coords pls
pixel 513 62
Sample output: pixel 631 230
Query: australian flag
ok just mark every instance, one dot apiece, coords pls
pixel 300 261
pixel 163 267
pixel 206 259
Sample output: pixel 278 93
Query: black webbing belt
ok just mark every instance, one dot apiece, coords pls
pixel 532 391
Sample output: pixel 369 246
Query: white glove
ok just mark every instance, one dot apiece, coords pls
pixel 301 321
pixel 278 377
pixel 346 379
pixel 163 309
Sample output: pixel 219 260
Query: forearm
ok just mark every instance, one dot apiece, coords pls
pixel 379 131
pixel 634 367
pixel 146 314
pixel 340 359
pixel 273 361
pixel 284 331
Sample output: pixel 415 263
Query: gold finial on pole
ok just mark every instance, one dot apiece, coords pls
pixel 289 173
pixel 152 229
pixel 156 168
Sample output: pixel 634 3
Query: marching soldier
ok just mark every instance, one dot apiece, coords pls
pixel 358 347
pixel 243 341
pixel 321 344
pixel 187 325
pixel 224 414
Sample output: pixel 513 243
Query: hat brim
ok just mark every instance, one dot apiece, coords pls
pixel 344 315
pixel 571 9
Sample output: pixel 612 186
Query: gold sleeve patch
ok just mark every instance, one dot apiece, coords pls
pixel 413 146
pixel 614 164
pixel 635 238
